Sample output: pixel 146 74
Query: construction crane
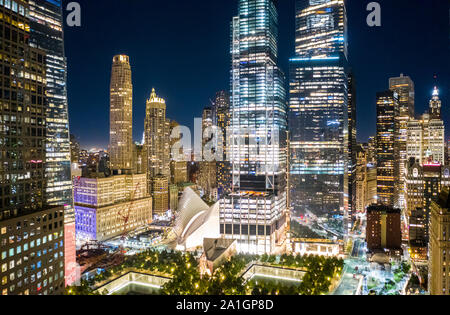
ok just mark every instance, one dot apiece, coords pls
pixel 126 215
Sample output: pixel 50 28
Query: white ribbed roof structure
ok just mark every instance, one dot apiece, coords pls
pixel 196 221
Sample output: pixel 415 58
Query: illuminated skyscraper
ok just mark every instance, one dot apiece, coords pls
pixel 157 129
pixel 46 33
pixel 254 212
pixel 352 147
pixel 321 122
pixel 404 87
pixel 387 150
pixel 32 241
pixel 207 178
pixel 435 105
pixel 46 21
pixel 426 136
pixel 121 115
pixel 221 114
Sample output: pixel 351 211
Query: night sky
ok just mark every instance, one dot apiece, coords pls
pixel 181 47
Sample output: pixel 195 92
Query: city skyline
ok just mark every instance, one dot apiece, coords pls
pixel 185 100
pixel 255 147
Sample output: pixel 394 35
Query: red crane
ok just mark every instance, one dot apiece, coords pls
pixel 126 216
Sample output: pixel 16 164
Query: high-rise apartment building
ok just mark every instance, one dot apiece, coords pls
pixel 121 115
pixel 404 87
pixel 319 116
pixel 31 232
pixel 157 136
pixel 387 150
pixel 254 212
pixel 439 278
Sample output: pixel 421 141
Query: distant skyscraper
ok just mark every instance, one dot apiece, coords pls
pixel 426 136
pixel 32 241
pixel 352 147
pixel 121 115
pixel 361 180
pixel 387 150
pixel 222 119
pixel 435 105
pixel 157 129
pixel 74 149
pixel 254 212
pixel 404 87
pixel 321 122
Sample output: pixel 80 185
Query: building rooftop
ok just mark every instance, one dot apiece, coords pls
pixel 383 209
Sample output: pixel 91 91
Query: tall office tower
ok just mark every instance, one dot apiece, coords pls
pixel 157 137
pixel 207 178
pixel 31 232
pixel 439 278
pixel 121 115
pixel 387 150
pixel 222 119
pixel 46 33
pixel 404 87
pixel 254 212
pixel 319 116
pixel 435 105
pixel 361 180
pixel 352 146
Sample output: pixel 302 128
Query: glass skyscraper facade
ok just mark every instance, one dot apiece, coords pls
pixel 46 33
pixel 254 212
pixel 319 120
pixel 387 147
